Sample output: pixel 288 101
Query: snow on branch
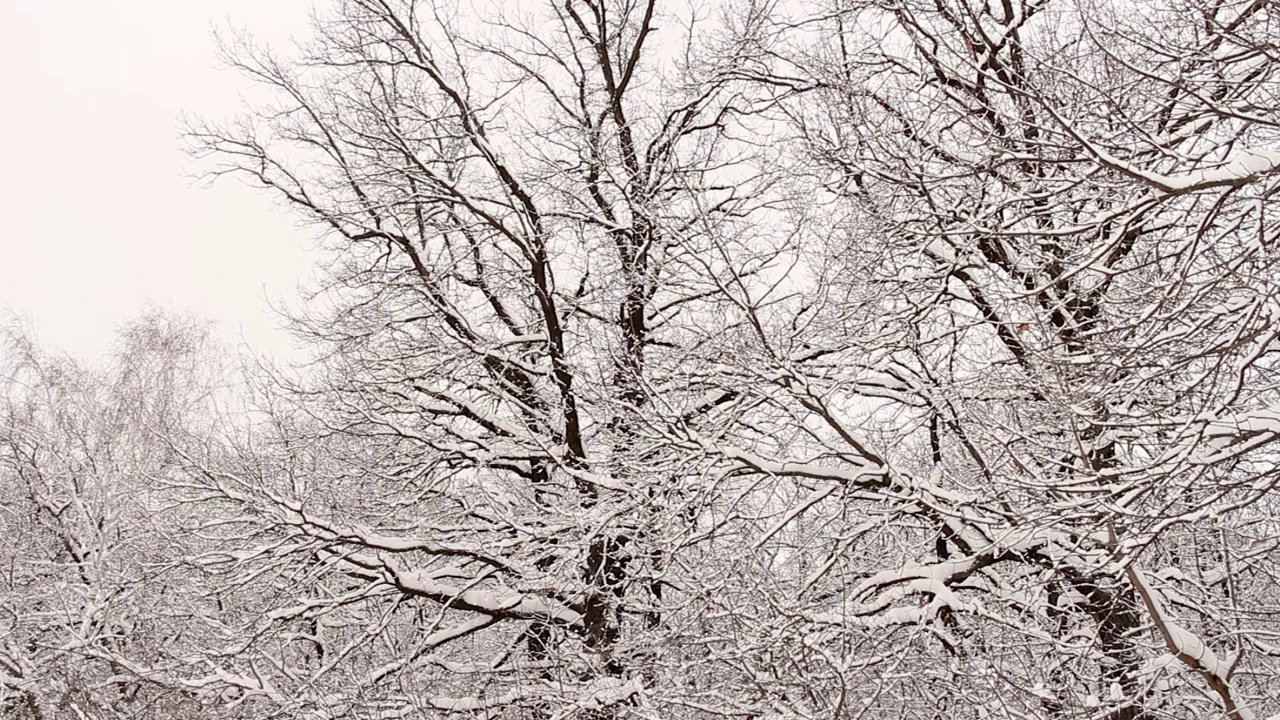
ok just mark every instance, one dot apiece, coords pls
pixel 503 604
pixel 1190 648
pixel 1241 169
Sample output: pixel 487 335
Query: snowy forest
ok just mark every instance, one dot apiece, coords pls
pixel 795 360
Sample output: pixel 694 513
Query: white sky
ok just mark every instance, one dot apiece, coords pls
pixel 97 214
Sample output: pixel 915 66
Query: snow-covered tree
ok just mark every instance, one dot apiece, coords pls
pixel 884 358
pixel 89 584
pixel 488 495
pixel 1041 332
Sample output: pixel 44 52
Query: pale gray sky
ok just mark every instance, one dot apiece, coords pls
pixel 98 217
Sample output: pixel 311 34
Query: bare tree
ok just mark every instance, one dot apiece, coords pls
pixel 85 574
pixel 537 222
pixel 1039 354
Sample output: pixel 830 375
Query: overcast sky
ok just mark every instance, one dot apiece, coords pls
pixel 97 215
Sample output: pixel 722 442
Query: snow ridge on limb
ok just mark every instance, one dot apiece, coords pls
pixel 1189 647
pixel 1243 167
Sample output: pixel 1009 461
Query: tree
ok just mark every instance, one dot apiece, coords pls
pixel 86 578
pixel 471 503
pixel 1047 360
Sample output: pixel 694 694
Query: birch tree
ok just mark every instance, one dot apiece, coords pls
pixel 87 579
